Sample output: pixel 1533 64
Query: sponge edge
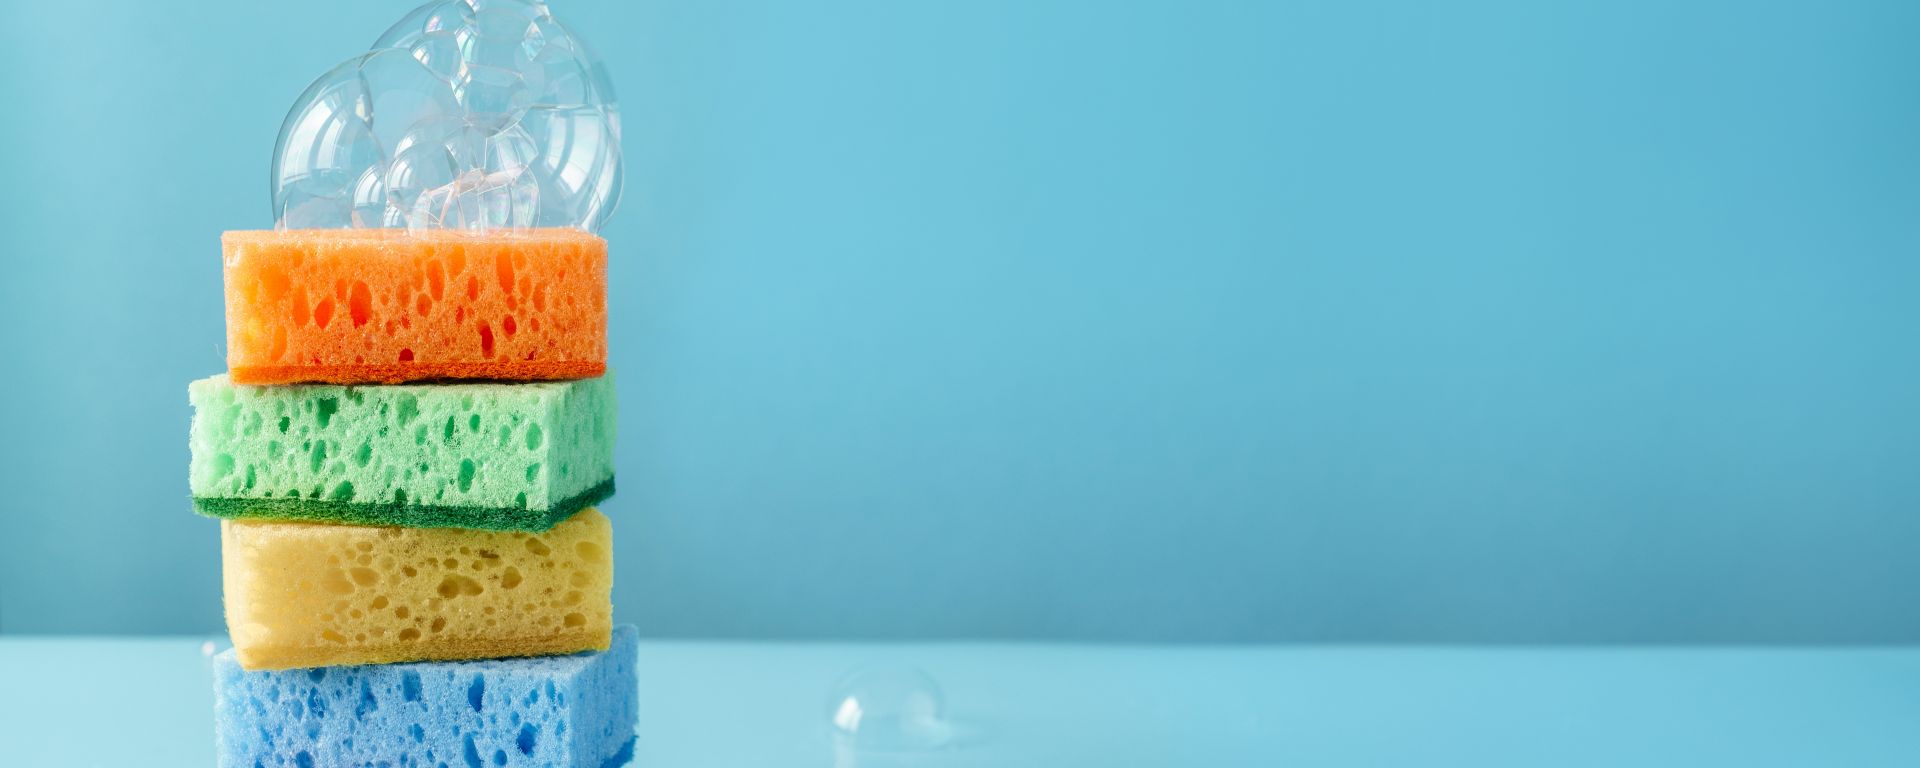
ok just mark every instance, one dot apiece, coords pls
pixel 559 711
pixel 358 306
pixel 304 595
pixel 492 456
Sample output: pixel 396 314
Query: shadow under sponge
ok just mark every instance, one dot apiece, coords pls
pixel 555 711
pixel 486 456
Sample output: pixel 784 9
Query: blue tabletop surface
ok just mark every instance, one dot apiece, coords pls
pixel 147 702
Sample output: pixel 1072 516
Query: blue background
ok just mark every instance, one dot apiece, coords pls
pixel 1378 321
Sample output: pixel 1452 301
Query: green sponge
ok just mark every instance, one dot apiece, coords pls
pixel 490 456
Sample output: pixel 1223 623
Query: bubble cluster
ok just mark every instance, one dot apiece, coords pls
pixel 467 114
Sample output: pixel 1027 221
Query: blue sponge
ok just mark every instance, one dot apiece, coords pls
pixel 553 711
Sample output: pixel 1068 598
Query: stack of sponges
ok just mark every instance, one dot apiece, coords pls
pixel 408 552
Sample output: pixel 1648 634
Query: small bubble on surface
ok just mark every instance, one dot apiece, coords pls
pixel 888 708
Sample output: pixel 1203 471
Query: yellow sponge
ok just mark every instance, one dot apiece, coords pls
pixel 308 595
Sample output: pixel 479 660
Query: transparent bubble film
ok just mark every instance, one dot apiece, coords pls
pixel 468 115
pixel 888 708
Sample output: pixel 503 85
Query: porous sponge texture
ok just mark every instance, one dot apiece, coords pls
pixel 305 595
pixel 351 306
pixel 492 456
pixel 558 711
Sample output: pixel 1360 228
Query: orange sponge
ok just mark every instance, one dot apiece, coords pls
pixel 359 306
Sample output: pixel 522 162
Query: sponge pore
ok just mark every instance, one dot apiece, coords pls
pixel 491 456
pixel 561 711
pixel 352 306
pixel 305 595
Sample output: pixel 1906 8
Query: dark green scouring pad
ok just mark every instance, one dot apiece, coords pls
pixel 404 515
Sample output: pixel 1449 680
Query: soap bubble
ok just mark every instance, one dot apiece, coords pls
pixel 453 174
pixel 512 61
pixel 578 167
pixel 468 114
pixel 889 709
pixel 327 165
